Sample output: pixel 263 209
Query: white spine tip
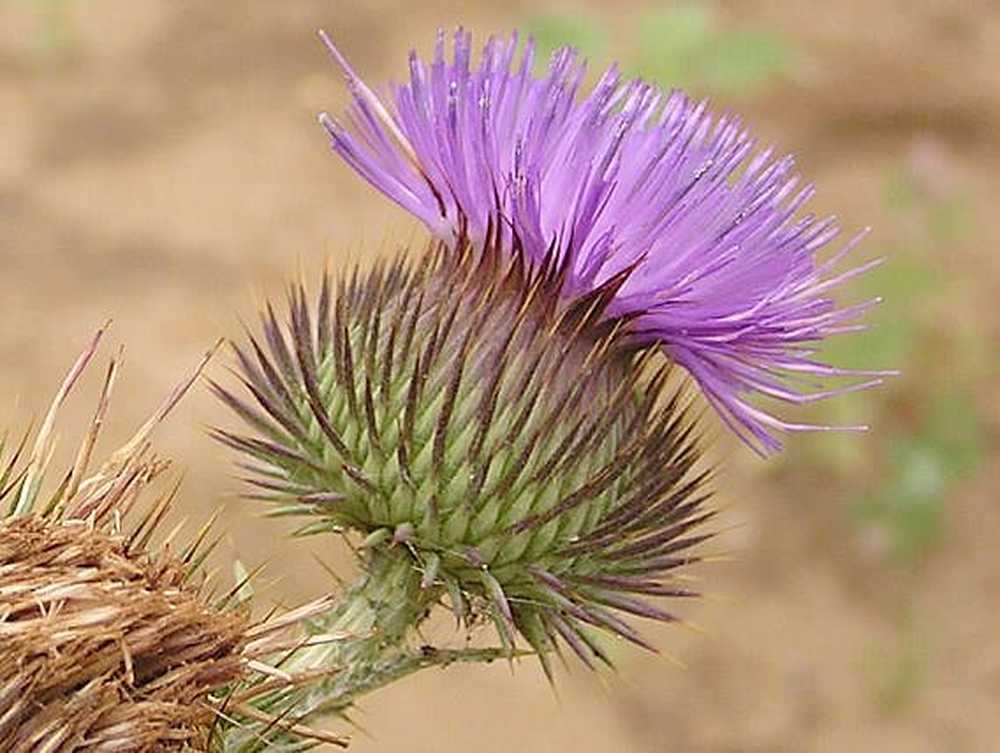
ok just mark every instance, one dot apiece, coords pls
pixel 328 123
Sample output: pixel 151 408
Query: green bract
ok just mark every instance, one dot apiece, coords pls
pixel 461 415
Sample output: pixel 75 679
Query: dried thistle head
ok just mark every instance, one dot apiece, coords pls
pixel 107 642
pixel 458 412
pixel 105 647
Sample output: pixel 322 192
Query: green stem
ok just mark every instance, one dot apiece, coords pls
pixel 369 629
pixel 363 645
pixel 377 616
pixel 370 645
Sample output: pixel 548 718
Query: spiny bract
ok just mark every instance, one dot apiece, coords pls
pixel 459 412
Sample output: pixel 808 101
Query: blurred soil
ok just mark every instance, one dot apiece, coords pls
pixel 160 164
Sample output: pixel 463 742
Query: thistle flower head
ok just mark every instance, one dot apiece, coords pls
pixel 460 413
pixel 700 228
pixel 105 647
pixel 109 642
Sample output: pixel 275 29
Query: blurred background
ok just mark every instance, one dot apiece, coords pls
pixel 160 164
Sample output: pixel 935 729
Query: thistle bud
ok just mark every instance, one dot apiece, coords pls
pixel 499 441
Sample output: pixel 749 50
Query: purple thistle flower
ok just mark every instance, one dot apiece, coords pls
pixel 721 271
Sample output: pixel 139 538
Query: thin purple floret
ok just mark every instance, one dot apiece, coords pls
pixel 724 270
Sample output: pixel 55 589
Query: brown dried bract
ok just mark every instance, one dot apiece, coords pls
pixel 103 649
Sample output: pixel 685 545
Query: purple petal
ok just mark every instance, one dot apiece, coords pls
pixel 725 276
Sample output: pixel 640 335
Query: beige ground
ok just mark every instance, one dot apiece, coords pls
pixel 164 168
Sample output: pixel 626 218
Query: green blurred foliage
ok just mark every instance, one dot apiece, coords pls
pixel 554 30
pixel 53 34
pixel 931 436
pixel 683 45
pixel 941 219
pixel 686 46
pixel 908 503
pixel 899 671
pixel 895 333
